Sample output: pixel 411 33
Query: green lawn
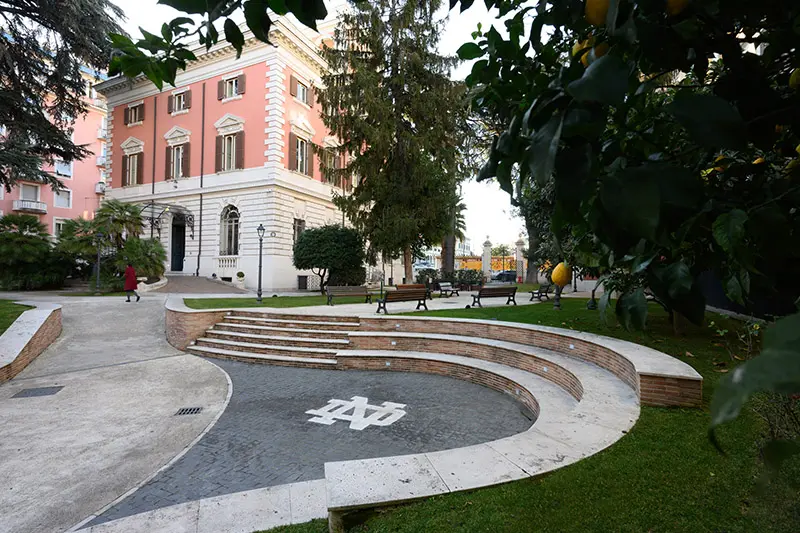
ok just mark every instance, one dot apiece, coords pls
pixel 268 301
pixel 663 476
pixel 9 312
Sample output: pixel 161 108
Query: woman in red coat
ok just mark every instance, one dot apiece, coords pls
pixel 130 283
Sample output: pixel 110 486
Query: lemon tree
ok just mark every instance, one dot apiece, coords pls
pixel 671 152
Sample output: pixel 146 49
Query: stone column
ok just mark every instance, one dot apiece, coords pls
pixel 520 244
pixel 486 261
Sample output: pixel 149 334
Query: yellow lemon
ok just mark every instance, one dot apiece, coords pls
pixel 794 80
pixel 759 161
pixel 562 275
pixel 794 163
pixel 676 6
pixel 720 168
pixel 797 149
pixel 596 11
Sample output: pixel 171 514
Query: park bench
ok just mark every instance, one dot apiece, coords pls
pixel 407 295
pixel 410 286
pixel 447 289
pixel 348 291
pixel 542 292
pixel 496 292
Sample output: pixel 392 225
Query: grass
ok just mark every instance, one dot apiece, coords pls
pixel 9 312
pixel 278 301
pixel 663 476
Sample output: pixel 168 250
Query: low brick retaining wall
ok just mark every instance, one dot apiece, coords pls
pixel 184 326
pixel 30 334
pixel 442 368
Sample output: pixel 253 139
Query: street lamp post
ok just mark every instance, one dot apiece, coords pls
pixel 260 230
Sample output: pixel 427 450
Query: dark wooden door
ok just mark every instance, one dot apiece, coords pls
pixel 178 246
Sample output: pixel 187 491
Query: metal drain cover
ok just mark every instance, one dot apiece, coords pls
pixel 188 411
pixel 39 391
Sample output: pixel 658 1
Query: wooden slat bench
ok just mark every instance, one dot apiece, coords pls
pixel 348 291
pixel 542 292
pixel 496 292
pixel 408 295
pixel 411 286
pixel 447 289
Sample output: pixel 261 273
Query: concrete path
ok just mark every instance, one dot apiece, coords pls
pixel 109 423
pixel 197 285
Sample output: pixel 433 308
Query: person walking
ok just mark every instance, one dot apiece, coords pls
pixel 130 283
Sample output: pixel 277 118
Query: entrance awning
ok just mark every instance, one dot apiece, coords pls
pixel 153 213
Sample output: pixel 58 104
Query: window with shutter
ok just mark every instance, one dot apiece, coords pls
pixel 293 86
pixel 187 99
pixel 125 169
pixel 240 84
pixel 218 154
pixel 168 175
pixel 185 163
pixel 176 161
pixel 139 168
pixel 292 163
pixel 240 150
pixel 126 116
pixel 170 104
pixel 220 89
pixel 229 152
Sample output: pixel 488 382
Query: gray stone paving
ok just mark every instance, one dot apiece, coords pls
pixel 197 285
pixel 264 437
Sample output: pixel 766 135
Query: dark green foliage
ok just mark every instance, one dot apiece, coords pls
pixel 146 255
pixel 390 101
pixel 427 275
pixel 78 242
pixel 44 45
pixel 160 56
pixel 116 220
pixel 27 259
pixel 333 252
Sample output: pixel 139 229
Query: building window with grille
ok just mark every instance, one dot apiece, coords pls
pixel 229 231
pixel 298 228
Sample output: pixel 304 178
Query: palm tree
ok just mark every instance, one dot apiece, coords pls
pixel 77 239
pixel 118 221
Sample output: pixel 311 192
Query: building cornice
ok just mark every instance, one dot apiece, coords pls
pixel 284 34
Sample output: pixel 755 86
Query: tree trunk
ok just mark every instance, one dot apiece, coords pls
pixel 407 259
pixel 449 254
pixel 532 274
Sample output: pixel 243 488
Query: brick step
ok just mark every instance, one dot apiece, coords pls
pixel 276 330
pixel 296 317
pixel 277 340
pixel 252 357
pixel 304 324
pixel 288 351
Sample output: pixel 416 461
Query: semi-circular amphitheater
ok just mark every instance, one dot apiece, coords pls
pixel 582 390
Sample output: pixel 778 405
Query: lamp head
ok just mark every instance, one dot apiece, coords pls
pixel 260 230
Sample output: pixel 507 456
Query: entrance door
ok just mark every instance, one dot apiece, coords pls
pixel 178 245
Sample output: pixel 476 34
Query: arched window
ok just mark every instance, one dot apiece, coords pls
pixel 229 231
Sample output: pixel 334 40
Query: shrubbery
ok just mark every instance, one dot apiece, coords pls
pixel 334 253
pixel 463 277
pixel 27 258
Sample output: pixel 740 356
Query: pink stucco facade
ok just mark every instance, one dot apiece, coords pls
pixel 200 123
pixel 82 185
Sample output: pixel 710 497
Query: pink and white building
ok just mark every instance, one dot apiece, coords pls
pixel 228 148
pixel 83 181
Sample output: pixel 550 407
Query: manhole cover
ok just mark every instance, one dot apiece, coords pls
pixel 188 411
pixel 39 391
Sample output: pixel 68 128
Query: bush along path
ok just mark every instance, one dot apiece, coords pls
pixel 664 476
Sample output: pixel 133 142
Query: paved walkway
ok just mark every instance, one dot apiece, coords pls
pixel 67 455
pixel 265 438
pixel 197 285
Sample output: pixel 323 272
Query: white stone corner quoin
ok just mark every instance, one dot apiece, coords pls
pixel 30 334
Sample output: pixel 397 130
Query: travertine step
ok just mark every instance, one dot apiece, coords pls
pixel 304 324
pixel 278 330
pixel 251 357
pixel 289 351
pixel 277 340
pixel 294 317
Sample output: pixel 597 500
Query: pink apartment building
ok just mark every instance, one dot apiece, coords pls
pixel 83 181
pixel 227 149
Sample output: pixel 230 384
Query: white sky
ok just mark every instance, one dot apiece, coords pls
pixel 488 208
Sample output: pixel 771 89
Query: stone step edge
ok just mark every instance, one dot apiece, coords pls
pixel 280 348
pixel 256 336
pixel 283 321
pixel 289 330
pixel 260 356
